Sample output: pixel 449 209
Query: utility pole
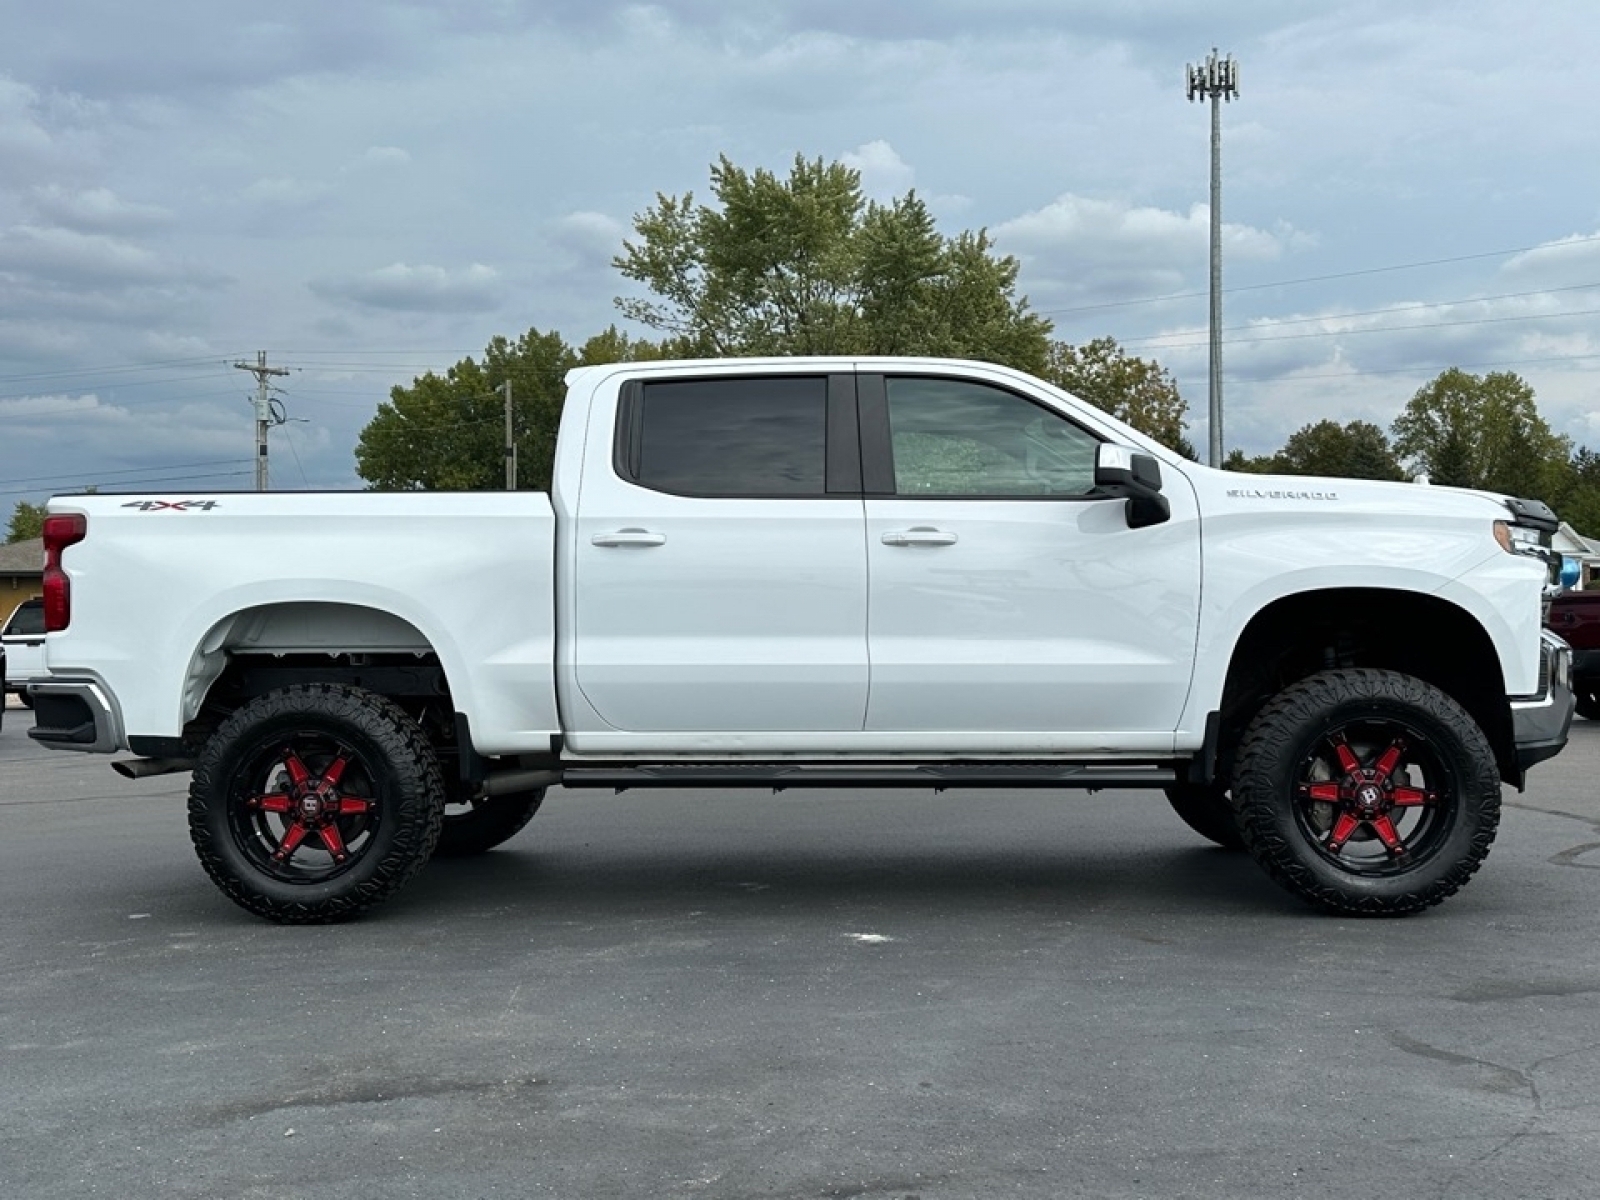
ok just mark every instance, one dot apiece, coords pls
pixel 262 372
pixel 511 442
pixel 1215 79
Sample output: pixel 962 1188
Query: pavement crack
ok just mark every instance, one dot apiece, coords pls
pixel 383 1091
pixel 1502 1078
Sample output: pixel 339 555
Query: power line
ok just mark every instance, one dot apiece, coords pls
pixel 1295 337
pixel 215 462
pixel 90 474
pixel 1257 287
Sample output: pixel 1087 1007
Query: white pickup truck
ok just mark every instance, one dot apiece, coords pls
pixel 816 572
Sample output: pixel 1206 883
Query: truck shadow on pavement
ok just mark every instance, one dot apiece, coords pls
pixel 775 884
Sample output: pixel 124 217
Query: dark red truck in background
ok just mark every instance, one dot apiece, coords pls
pixel 1575 616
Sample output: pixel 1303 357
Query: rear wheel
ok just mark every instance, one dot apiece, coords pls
pixel 1367 792
pixel 26 696
pixel 314 802
pixel 1204 808
pixel 473 826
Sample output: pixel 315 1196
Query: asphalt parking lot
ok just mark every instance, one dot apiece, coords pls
pixel 833 994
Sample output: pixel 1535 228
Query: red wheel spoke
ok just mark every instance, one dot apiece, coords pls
pixel 297 769
pixel 1405 797
pixel 1388 834
pixel 292 837
pixel 1388 761
pixel 1342 831
pixel 335 770
pixel 333 840
pixel 277 802
pixel 1348 762
pixel 1328 793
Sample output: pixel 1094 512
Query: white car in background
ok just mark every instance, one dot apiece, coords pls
pixel 23 637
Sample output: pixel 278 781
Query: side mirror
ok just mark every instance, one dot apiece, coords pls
pixel 1123 472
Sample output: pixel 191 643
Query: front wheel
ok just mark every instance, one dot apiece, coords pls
pixel 1367 792
pixel 314 802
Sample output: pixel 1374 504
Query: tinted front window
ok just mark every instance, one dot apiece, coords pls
pixel 734 437
pixel 954 438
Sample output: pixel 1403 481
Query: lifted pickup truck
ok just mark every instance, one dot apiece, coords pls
pixel 816 572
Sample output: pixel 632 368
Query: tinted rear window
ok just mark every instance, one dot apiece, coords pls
pixel 733 437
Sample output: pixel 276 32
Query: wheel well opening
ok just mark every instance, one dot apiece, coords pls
pixel 1422 636
pixel 263 649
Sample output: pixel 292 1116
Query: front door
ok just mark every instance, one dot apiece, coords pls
pixel 1006 599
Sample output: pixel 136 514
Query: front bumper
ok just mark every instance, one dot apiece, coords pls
pixel 75 714
pixel 1539 723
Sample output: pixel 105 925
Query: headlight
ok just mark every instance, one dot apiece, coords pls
pixel 1520 539
pixel 1534 543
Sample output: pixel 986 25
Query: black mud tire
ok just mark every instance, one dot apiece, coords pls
pixel 26 696
pixel 1295 791
pixel 1205 808
pixel 388 797
pixel 1589 704
pixel 474 826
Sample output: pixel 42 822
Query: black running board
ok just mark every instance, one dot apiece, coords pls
pixel 938 776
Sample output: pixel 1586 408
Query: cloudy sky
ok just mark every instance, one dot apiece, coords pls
pixel 367 191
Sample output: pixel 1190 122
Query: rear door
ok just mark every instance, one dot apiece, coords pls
pixel 719 560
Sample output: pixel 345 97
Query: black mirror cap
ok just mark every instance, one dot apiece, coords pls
pixel 1124 471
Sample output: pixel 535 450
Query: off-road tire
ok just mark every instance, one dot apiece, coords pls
pixel 1444 785
pixel 1205 808
pixel 243 803
pixel 483 824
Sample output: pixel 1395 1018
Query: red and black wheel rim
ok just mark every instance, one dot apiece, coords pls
pixel 1375 797
pixel 304 808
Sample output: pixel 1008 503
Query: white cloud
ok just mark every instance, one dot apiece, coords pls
pixel 283 192
pixel 379 158
pixel 421 288
pixel 82 258
pixel 97 210
pixel 593 235
pixel 19 408
pixel 884 174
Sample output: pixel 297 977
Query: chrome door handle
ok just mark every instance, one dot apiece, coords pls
pixel 629 537
pixel 920 536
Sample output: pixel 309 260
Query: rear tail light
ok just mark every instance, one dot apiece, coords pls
pixel 60 531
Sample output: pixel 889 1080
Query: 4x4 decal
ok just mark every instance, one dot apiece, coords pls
pixel 175 505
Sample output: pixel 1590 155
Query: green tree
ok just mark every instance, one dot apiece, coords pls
pixel 1261 464
pixel 1356 450
pixel 447 432
pixel 27 521
pixel 1485 432
pixel 1579 504
pixel 1137 391
pixel 806 265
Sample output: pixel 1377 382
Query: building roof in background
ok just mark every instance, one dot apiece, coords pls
pixel 22 558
